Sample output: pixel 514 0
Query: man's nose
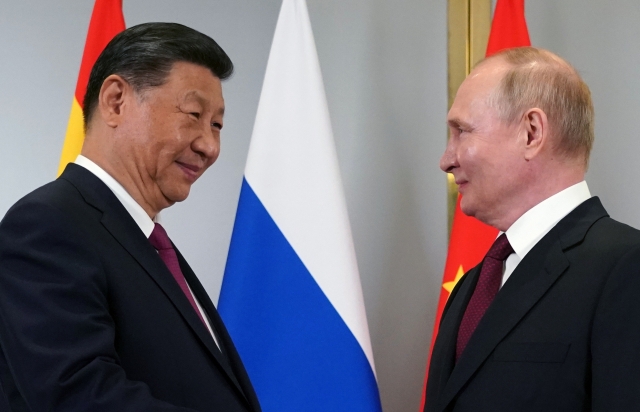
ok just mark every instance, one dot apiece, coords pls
pixel 208 144
pixel 449 161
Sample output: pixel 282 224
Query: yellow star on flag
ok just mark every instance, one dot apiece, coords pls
pixel 448 286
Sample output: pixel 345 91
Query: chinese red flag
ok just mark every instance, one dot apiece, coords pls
pixel 107 20
pixel 470 239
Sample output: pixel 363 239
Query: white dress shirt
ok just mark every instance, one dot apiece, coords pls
pixel 138 214
pixel 539 220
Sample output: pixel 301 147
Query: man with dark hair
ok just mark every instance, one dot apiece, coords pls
pixel 98 310
pixel 549 321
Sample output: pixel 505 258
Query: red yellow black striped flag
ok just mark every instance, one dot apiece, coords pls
pixel 107 20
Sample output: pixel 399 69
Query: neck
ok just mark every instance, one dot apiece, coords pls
pixel 544 188
pixel 103 156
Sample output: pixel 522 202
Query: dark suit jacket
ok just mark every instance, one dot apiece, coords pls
pixel 92 320
pixel 563 333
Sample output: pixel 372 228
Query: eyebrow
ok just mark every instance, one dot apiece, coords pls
pixel 456 122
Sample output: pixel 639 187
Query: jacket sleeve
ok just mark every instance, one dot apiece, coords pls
pixel 615 340
pixel 56 331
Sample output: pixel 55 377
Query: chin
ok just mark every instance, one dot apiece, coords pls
pixel 467 208
pixel 481 214
pixel 178 199
pixel 176 196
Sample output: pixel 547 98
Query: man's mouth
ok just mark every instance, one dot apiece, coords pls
pixel 191 171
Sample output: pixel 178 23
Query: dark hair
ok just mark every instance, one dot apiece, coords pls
pixel 143 55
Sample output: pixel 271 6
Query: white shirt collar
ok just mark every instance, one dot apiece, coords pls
pixel 135 210
pixel 138 214
pixel 540 219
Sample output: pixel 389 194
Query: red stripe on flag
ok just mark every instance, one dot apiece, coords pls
pixel 509 27
pixel 107 20
pixel 470 239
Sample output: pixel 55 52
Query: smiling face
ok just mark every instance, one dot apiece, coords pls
pixel 484 153
pixel 168 137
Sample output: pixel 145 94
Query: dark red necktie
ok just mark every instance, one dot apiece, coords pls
pixel 486 289
pixel 161 242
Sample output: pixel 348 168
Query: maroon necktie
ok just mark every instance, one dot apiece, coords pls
pixel 161 242
pixel 486 289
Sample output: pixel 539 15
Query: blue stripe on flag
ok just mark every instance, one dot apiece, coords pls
pixel 268 297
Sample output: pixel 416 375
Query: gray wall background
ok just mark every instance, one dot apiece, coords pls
pixel 384 68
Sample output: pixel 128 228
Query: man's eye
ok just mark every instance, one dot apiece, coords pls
pixel 216 125
pixel 195 115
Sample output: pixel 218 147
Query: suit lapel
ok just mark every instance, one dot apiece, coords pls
pixel 123 228
pixel 509 307
pixel 141 250
pixel 533 277
pixel 444 350
pixel 226 345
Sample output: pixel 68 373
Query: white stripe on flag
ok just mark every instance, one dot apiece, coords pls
pixel 292 152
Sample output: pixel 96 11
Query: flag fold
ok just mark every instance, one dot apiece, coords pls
pixel 291 295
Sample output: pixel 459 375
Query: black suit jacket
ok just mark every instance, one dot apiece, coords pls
pixel 91 319
pixel 563 333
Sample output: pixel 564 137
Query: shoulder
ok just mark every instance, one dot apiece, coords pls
pixel 591 232
pixel 56 201
pixel 607 235
pixel 612 238
pixel 76 195
pixel 54 213
pixel 607 260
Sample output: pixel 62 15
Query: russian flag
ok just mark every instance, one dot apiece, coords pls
pixel 291 295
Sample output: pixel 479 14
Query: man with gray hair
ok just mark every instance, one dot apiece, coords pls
pixel 549 320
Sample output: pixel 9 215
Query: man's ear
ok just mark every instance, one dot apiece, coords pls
pixel 537 128
pixel 112 99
